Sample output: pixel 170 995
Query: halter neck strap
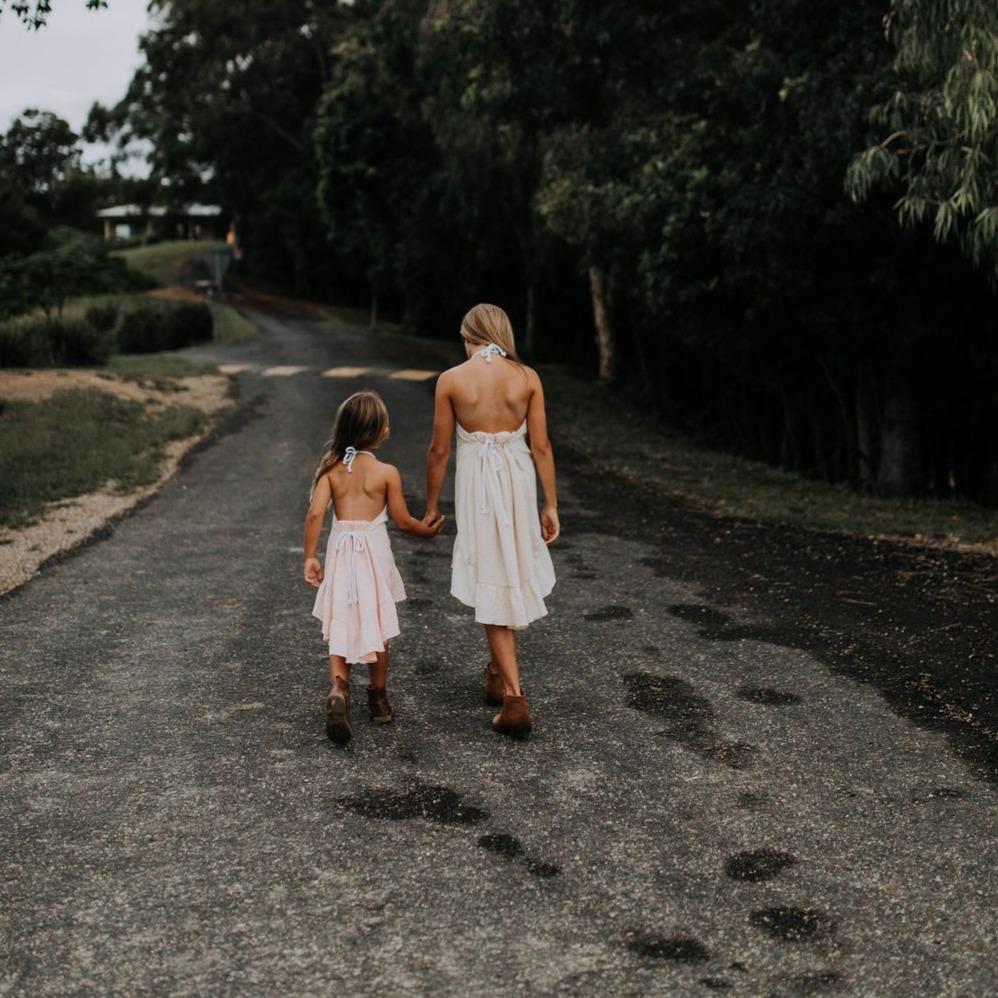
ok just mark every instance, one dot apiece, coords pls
pixel 350 455
pixel 490 350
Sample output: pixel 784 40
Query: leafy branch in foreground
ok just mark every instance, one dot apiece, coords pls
pixel 941 123
pixel 35 15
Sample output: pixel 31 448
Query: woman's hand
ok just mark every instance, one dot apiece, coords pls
pixel 433 523
pixel 431 516
pixel 550 525
pixel 313 572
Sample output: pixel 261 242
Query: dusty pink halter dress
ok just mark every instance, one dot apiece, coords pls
pixel 360 586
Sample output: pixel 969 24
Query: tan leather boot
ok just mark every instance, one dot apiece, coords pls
pixel 514 718
pixel 493 687
pixel 378 706
pixel 338 713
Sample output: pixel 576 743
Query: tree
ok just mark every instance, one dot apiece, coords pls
pixel 35 14
pixel 225 102
pixel 942 120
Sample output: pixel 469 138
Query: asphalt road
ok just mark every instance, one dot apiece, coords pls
pixel 691 816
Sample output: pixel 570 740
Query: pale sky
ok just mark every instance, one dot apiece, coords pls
pixel 79 57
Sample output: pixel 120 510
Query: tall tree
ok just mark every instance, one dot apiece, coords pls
pixel 942 122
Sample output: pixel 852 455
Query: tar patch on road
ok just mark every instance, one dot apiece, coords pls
pixel 793 925
pixel 689 717
pixel 679 949
pixel 767 697
pixel 501 844
pixel 510 848
pixel 439 804
pixel 758 865
pixel 816 983
pixel 609 613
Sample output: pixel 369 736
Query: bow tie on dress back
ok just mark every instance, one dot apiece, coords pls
pixel 350 455
pixel 490 350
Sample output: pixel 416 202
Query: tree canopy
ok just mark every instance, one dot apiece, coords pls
pixel 709 199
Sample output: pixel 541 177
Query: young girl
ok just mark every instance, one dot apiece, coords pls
pixel 501 563
pixel 360 585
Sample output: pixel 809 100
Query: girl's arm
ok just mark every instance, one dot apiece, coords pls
pixel 440 442
pixel 313 527
pixel 404 520
pixel 543 455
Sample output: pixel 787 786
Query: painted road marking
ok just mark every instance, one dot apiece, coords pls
pixel 282 371
pixel 412 374
pixel 345 372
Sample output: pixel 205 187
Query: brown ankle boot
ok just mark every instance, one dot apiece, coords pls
pixel 378 706
pixel 514 718
pixel 493 687
pixel 338 713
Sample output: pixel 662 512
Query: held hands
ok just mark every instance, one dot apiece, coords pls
pixel 313 572
pixel 433 521
pixel 550 525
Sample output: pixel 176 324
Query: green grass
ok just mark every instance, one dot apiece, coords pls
pixel 156 366
pixel 164 262
pixel 76 442
pixel 621 437
pixel 230 324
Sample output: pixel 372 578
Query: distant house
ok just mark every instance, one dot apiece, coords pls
pixel 195 221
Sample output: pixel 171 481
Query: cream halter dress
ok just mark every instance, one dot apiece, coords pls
pixel 501 565
pixel 360 586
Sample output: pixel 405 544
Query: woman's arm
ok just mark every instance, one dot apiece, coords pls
pixel 404 520
pixel 543 455
pixel 440 443
pixel 313 527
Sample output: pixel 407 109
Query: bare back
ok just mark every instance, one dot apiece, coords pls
pixel 360 494
pixel 491 395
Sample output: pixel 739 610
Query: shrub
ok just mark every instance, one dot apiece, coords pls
pixel 103 315
pixel 54 343
pixel 154 326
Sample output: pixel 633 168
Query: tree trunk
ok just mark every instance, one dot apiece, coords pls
pixel 606 341
pixel 530 332
pixel 867 443
pixel 900 458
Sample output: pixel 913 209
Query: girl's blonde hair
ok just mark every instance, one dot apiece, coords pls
pixel 485 324
pixel 361 422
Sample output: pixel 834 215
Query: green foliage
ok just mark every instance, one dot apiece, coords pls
pixel 151 326
pixel 72 264
pixel 51 342
pixel 35 13
pixel 942 123
pixel 78 441
pixel 103 315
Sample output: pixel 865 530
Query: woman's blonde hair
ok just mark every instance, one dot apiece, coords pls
pixel 361 422
pixel 485 324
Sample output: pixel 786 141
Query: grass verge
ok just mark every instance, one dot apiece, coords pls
pixel 164 262
pixel 230 324
pixel 78 441
pixel 622 438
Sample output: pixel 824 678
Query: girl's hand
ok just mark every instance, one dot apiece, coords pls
pixel 313 572
pixel 434 523
pixel 431 516
pixel 550 525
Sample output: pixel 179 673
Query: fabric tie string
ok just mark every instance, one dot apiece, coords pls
pixel 490 350
pixel 488 478
pixel 353 541
pixel 349 456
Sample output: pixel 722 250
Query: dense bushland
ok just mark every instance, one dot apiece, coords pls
pixel 778 219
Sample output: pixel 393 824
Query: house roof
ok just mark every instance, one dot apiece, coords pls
pixel 158 211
